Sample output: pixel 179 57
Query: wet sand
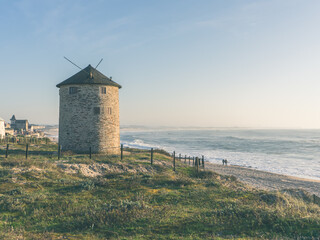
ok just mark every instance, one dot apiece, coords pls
pixel 266 180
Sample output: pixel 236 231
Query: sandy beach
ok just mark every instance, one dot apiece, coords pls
pixel 266 180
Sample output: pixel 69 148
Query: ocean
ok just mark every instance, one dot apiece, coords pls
pixel 290 152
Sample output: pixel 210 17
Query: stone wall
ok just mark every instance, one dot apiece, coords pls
pixel 79 125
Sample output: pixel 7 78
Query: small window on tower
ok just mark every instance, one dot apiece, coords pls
pixel 73 90
pixel 109 110
pixel 103 90
pixel 96 110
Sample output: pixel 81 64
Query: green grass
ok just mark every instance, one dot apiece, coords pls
pixel 40 200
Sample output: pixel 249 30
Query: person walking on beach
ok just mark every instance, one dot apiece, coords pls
pixel 226 162
pixel 223 162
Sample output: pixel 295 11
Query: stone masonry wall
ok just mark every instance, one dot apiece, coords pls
pixel 80 127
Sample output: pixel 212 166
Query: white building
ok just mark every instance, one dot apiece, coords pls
pixel 2 128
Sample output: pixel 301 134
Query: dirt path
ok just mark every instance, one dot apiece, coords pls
pixel 266 180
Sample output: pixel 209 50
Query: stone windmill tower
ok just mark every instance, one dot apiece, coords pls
pixel 89 113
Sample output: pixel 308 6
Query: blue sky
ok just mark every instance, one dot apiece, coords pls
pixel 207 63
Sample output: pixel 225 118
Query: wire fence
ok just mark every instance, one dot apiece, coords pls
pixel 36 149
pixel 29 148
pixel 24 140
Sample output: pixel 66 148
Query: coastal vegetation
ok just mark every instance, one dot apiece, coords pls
pixel 104 198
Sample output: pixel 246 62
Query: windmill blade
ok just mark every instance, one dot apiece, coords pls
pixel 72 63
pixel 75 65
pixel 98 63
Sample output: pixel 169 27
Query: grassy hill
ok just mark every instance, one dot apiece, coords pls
pixel 103 198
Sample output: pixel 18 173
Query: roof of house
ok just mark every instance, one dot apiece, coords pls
pixel 13 117
pixel 21 121
pixel 89 75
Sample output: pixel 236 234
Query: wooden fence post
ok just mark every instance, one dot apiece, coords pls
pixel 151 156
pixel 185 158
pixel 7 149
pixel 59 151
pixel 174 161
pixel 121 152
pixel 202 161
pixel 189 160
pixel 180 157
pixel 192 161
pixel 90 152
pixel 27 146
pixel 197 164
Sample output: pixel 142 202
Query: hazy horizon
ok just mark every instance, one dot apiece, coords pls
pixel 140 127
pixel 183 63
